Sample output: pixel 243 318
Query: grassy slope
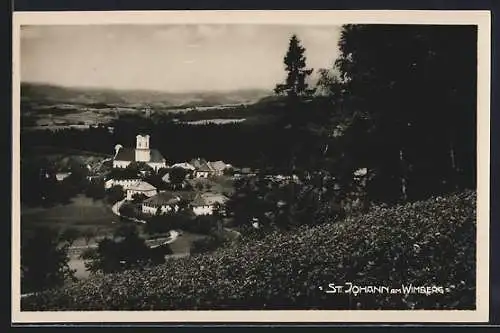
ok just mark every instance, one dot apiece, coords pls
pixel 424 243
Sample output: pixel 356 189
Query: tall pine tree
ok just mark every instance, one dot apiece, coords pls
pixel 295 64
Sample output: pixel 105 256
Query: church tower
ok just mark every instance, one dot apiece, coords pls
pixel 142 152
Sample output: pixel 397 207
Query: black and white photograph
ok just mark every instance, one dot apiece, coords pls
pixel 251 165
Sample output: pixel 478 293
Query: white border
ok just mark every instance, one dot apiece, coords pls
pixel 480 18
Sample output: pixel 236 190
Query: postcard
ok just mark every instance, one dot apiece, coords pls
pixel 251 166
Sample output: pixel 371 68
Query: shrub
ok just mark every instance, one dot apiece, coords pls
pixel 207 244
pixel 423 243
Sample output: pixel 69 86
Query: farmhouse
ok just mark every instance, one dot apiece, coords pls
pixel 140 187
pixel 204 204
pixel 218 167
pixel 204 171
pixel 161 203
pixel 142 153
pixel 200 206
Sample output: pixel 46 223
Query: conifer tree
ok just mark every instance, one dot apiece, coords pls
pixel 295 64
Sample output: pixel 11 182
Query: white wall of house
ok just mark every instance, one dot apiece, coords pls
pixel 157 165
pixel 62 176
pixel 120 164
pixel 125 183
pixel 164 209
pixel 203 210
pixel 201 174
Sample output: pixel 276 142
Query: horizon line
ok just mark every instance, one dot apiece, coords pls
pixel 157 90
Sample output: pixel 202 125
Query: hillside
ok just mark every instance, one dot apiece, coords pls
pixel 428 243
pixel 34 92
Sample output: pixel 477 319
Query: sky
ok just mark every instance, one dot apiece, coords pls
pixel 175 58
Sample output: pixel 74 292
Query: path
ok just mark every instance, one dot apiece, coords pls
pixel 173 236
pixel 116 210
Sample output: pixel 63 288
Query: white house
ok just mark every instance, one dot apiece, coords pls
pixel 201 207
pixel 204 171
pixel 161 203
pixel 204 204
pixel 140 187
pixel 142 153
pixel 60 176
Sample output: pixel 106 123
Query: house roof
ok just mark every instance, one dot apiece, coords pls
pixel 142 186
pixel 199 201
pixel 218 165
pixel 197 162
pixel 183 165
pixel 128 154
pixel 162 199
pixel 125 154
pixel 205 167
pixel 212 198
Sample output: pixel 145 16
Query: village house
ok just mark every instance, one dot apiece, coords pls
pixel 125 183
pixel 60 176
pixel 200 206
pixel 204 204
pixel 142 153
pixel 140 187
pixel 218 167
pixel 161 203
pixel 124 178
pixel 204 171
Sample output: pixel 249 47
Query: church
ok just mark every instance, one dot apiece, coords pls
pixel 142 153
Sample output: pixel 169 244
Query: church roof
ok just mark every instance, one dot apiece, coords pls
pixel 125 154
pixel 122 174
pixel 156 156
pixel 128 154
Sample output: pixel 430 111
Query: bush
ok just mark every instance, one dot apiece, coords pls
pixel 115 194
pixel 207 244
pixel 52 247
pixel 423 243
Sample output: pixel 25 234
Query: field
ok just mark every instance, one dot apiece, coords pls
pixel 221 184
pixel 82 214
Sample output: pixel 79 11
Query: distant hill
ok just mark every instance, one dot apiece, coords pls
pixel 35 92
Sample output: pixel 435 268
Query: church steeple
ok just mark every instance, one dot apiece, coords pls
pixel 142 152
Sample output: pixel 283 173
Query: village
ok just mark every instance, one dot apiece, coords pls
pixel 143 184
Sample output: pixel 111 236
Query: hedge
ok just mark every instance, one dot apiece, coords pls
pixel 427 243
